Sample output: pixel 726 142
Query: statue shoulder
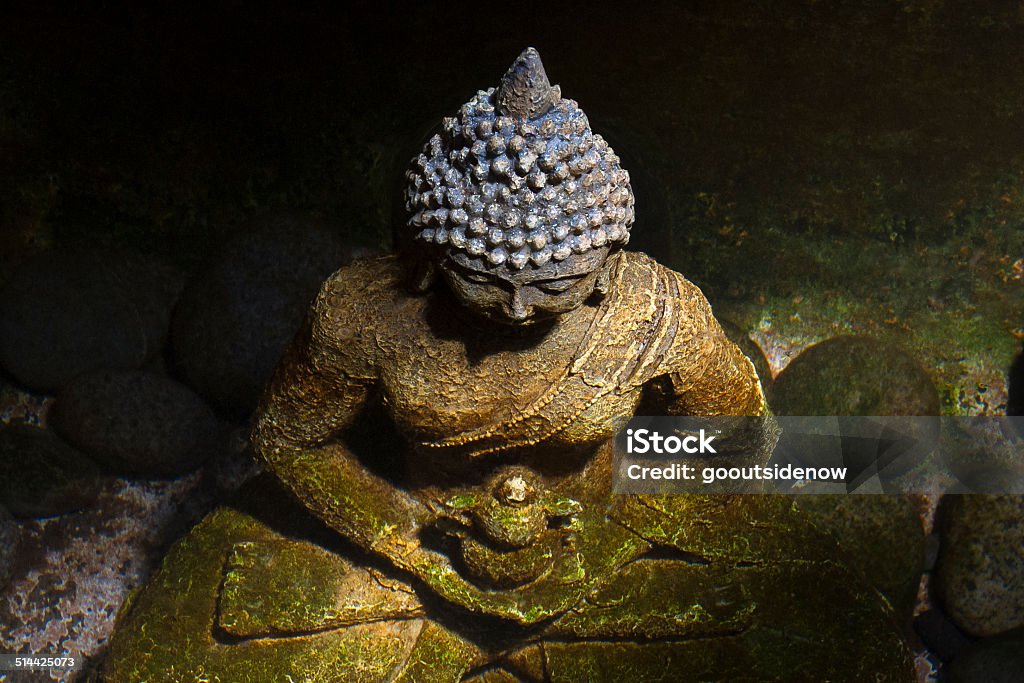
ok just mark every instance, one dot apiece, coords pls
pixel 366 281
pixel 356 297
pixel 672 283
pixel 708 372
pixel 350 313
pixel 683 311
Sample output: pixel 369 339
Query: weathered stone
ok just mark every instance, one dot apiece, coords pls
pixel 136 422
pixel 66 313
pixel 370 651
pixel 981 563
pixel 10 538
pixel 732 610
pixel 853 376
pixel 234 320
pixel 993 660
pixel 984 454
pixel 881 535
pixel 77 569
pixel 41 476
pixel 550 168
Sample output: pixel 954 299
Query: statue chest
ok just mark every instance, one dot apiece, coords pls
pixel 435 389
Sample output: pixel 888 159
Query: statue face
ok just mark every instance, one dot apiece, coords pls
pixel 527 296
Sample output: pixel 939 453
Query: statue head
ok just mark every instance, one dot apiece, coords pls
pixel 517 202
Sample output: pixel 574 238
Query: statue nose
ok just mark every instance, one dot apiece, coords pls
pixel 517 308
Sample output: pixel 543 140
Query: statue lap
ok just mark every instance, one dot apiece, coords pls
pixel 241 599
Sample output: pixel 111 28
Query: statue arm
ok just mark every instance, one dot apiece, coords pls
pixel 320 387
pixel 709 374
pixel 709 377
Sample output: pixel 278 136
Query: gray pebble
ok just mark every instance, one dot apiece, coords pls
pixel 65 313
pixel 981 563
pixel 234 321
pixel 854 376
pixel 136 422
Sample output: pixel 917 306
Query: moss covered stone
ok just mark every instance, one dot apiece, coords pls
pixel 851 375
pixel 881 535
pixel 174 630
pixel 710 588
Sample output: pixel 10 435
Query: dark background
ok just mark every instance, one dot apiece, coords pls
pixel 818 167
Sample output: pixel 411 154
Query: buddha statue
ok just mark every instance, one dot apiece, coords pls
pixel 438 443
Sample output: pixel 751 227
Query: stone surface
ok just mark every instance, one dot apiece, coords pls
pixel 64 313
pixel 41 476
pixel 984 454
pixel 744 604
pixel 10 537
pixel 994 660
pixel 570 193
pixel 881 535
pixel 234 320
pixel 851 375
pixel 981 563
pixel 77 569
pixel 137 423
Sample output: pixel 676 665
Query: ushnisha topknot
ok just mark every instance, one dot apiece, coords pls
pixel 518 177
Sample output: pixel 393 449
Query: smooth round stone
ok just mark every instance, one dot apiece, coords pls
pixel 880 534
pixel 981 563
pixel 985 454
pixel 234 320
pixel 850 376
pixel 10 538
pixel 41 476
pixel 137 423
pixel 993 660
pixel 857 377
pixel 65 313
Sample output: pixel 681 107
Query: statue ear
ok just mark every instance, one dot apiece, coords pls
pixel 604 277
pixel 424 274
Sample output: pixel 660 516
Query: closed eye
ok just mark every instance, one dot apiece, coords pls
pixel 557 286
pixel 476 278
